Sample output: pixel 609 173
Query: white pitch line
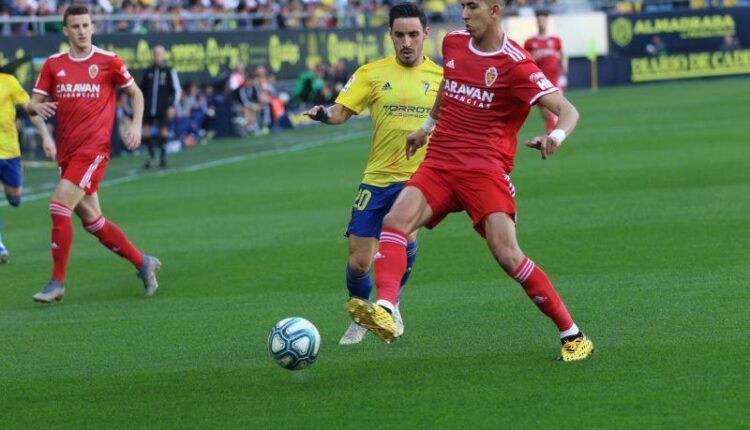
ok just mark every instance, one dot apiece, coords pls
pixel 211 164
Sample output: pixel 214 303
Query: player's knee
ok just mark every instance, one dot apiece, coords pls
pixel 397 221
pixel 359 264
pixel 507 255
pixel 13 200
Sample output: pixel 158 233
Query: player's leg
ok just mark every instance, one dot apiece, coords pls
pixel 66 197
pixel 148 141
pixel 112 237
pixel 358 278
pixel 412 249
pixel 11 177
pixel 410 212
pixel 500 231
pixel 13 195
pixel 162 141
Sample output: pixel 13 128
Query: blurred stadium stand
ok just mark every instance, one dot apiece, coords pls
pixel 250 67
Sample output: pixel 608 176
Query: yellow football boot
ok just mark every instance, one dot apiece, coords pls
pixel 374 318
pixel 577 349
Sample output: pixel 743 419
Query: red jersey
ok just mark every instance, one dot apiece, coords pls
pixel 546 51
pixel 485 100
pixel 84 89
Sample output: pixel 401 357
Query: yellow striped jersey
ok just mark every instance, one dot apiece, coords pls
pixel 399 99
pixel 11 95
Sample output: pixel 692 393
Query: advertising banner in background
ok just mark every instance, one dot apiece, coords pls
pixel 678 32
pixel 210 56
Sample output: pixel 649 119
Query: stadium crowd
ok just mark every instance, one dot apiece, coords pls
pixel 249 100
pixel 149 16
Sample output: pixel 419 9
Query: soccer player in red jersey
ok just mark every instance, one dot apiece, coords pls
pixel 82 84
pixel 489 86
pixel 547 51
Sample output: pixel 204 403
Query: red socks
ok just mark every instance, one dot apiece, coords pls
pixel 113 238
pixel 62 238
pixel 390 264
pixel 540 290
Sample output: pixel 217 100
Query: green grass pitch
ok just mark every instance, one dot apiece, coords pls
pixel 642 221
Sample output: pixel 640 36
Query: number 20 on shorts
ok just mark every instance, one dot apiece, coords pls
pixel 363 198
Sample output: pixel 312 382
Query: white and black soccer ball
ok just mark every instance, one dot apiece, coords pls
pixel 294 343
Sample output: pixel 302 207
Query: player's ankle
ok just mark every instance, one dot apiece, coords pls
pixel 385 304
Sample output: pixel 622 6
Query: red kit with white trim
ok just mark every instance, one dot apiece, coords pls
pixel 485 101
pixel 85 90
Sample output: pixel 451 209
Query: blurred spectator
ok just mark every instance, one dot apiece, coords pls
pixel 337 78
pixel 212 102
pixel 123 118
pixel 249 106
pixel 311 88
pixel 236 78
pixel 656 47
pixel 730 43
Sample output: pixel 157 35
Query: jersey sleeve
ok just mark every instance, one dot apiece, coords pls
pixel 17 93
pixel 44 82
pixel 356 93
pixel 120 76
pixel 530 83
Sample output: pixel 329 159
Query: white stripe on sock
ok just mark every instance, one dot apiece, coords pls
pixel 386 304
pixel 570 332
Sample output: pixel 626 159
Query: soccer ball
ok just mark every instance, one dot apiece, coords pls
pixel 294 343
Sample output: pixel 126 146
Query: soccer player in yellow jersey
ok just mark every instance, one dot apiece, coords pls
pixel 399 91
pixel 12 95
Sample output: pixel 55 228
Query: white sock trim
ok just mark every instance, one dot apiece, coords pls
pixel 386 304
pixel 570 332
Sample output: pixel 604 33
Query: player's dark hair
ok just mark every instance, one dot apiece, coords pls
pixel 75 9
pixel 407 10
pixel 542 12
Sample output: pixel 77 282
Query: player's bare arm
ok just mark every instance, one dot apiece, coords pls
pixel 566 123
pixel 134 130
pixel 48 144
pixel 418 138
pixel 38 106
pixel 333 115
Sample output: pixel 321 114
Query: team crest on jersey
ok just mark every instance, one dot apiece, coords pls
pixel 425 86
pixel 93 71
pixel 490 76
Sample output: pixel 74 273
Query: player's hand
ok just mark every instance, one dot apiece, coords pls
pixel 132 137
pixel 545 144
pixel 316 113
pixel 46 110
pixel 414 141
pixel 50 150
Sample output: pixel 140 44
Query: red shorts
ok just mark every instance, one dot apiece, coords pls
pixel 478 192
pixel 84 170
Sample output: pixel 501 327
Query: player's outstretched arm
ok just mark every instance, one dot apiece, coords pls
pixel 132 136
pixel 567 119
pixel 418 138
pixel 333 115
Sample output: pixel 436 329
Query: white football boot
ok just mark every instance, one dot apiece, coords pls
pixel 52 292
pixel 398 321
pixel 353 335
